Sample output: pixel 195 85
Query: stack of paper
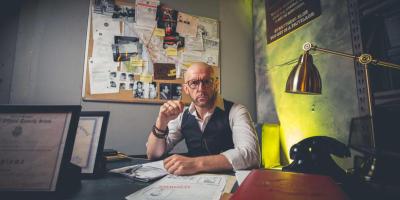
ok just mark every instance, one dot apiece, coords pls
pixel 143 172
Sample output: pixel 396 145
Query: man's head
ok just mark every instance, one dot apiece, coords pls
pixel 200 84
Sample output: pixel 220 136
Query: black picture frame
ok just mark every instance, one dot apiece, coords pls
pixel 64 176
pixel 91 152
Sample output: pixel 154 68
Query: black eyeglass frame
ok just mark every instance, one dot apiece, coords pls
pixel 194 84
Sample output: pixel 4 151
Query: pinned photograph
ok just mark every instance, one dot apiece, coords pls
pixel 164 71
pixel 122 76
pixel 176 91
pixel 113 84
pixel 173 41
pixel 165 91
pixel 113 75
pixel 131 86
pixel 130 77
pixel 125 47
pixel 122 86
pixel 166 19
pixel 152 90
pixel 138 90
pixel 104 6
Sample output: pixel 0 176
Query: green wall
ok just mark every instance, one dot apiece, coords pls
pixel 302 116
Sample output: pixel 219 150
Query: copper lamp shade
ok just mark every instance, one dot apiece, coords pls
pixel 304 78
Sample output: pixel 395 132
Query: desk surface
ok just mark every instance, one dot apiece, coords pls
pixel 109 187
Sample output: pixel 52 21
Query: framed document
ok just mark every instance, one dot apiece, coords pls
pixel 36 146
pixel 89 142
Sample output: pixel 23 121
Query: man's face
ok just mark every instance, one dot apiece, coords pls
pixel 201 87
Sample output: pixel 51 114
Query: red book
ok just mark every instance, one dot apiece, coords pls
pixel 278 185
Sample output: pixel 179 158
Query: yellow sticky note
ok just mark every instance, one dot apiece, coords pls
pixel 172 72
pixel 171 51
pixel 159 32
pixel 146 78
pixel 137 62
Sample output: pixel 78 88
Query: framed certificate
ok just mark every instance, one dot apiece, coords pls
pixel 36 146
pixel 89 142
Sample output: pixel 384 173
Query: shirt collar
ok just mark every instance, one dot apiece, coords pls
pixel 219 102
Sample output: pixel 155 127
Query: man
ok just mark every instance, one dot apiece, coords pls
pixel 219 134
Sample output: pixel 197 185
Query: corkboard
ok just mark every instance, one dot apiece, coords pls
pixel 123 96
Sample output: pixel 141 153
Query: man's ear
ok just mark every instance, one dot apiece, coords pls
pixel 216 85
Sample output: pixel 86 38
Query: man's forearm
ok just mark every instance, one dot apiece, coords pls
pixel 183 165
pixel 213 163
pixel 155 147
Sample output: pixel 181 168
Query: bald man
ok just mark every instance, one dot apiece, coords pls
pixel 219 134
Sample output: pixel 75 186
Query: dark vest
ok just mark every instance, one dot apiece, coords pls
pixel 217 136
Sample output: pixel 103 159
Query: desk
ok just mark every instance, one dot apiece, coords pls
pixel 117 187
pixel 109 187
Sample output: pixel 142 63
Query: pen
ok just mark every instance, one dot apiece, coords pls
pixel 133 169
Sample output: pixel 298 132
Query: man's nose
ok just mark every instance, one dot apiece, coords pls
pixel 201 86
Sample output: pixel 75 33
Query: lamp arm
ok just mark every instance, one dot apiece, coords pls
pixel 363 58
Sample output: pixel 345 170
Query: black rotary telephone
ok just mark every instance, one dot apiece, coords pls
pixel 312 155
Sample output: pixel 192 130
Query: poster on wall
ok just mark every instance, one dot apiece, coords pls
pixel 284 16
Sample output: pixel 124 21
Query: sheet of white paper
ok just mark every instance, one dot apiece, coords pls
pixel 104 26
pixel 129 29
pixel 188 57
pixel 211 56
pixel 208 28
pixel 100 78
pixel 241 175
pixel 187 24
pixel 145 12
pixel 194 43
pixel 171 187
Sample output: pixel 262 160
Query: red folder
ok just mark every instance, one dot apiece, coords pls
pixel 278 185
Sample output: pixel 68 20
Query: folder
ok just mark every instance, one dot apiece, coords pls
pixel 277 185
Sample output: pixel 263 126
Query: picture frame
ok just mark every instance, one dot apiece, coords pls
pixel 36 144
pixel 89 143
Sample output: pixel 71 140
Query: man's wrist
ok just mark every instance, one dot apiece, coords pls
pixel 161 124
pixel 159 133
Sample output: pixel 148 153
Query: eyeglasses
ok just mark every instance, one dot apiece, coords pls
pixel 193 84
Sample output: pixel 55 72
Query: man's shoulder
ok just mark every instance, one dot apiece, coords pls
pixel 234 104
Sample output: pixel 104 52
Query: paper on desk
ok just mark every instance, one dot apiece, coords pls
pixel 171 187
pixel 241 175
pixel 143 172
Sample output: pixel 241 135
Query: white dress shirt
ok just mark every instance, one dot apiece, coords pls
pixel 246 151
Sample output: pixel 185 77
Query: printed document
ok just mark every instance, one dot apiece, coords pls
pixel 171 187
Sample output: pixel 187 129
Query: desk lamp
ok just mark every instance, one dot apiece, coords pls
pixel 305 78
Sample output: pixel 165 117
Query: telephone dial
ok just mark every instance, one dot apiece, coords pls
pixel 312 155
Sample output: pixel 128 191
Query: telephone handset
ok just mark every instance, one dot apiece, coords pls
pixel 312 155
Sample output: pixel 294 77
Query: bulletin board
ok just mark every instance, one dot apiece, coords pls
pixel 137 52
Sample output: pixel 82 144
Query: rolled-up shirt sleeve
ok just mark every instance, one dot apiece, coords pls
pixel 174 134
pixel 246 151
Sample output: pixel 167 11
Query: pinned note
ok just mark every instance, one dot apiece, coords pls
pixel 171 51
pixel 159 32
